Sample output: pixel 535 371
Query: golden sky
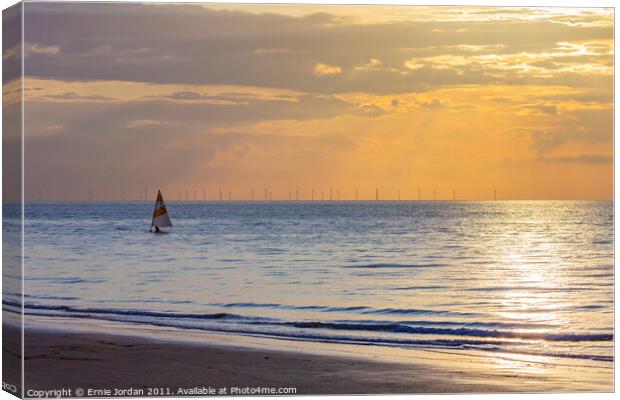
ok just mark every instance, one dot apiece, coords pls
pixel 122 97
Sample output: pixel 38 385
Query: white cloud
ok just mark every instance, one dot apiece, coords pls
pixel 35 48
pixel 144 123
pixel 29 49
pixel 326 69
pixel 585 58
pixel 413 65
pixel 373 63
pixel 14 52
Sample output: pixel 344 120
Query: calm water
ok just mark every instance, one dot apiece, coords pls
pixel 522 277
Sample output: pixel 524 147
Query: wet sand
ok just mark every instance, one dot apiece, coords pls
pixel 57 359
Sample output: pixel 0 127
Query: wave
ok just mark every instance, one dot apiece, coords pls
pixel 429 287
pixel 308 335
pixel 292 307
pixel 71 280
pixel 138 313
pixel 32 296
pixel 395 265
pixel 529 289
pixel 466 335
pixel 402 328
pixel 415 311
pixel 482 324
pixel 328 309
pixel 355 309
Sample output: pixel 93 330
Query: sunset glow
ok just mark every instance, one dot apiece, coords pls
pixel 294 98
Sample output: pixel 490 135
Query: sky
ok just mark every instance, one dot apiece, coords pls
pixel 120 98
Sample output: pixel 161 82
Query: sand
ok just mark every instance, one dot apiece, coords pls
pixel 106 362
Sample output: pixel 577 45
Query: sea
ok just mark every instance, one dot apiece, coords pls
pixel 507 277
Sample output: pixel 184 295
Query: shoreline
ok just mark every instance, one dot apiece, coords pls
pixel 108 356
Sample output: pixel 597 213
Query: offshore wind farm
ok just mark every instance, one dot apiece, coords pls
pixel 353 195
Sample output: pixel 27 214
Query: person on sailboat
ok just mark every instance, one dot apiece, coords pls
pixel 160 215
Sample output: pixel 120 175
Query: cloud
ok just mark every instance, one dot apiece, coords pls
pixel 73 97
pixel 371 64
pixel 583 58
pixel 272 50
pixel 144 123
pixel 195 97
pixel 35 48
pixel 326 69
pixel 538 109
pixel 199 108
pixel 46 90
pixel 12 53
pixel 246 46
pixel 545 141
pixel 432 104
pixel 15 52
pixel 413 65
pixel 55 128
pixel 580 159
pixel 550 109
pixel 579 128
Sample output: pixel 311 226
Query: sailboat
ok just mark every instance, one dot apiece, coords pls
pixel 160 215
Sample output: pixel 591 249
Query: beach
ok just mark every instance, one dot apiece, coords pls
pixel 97 359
